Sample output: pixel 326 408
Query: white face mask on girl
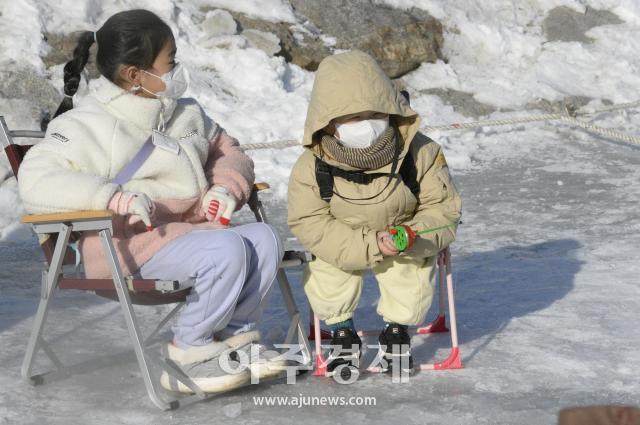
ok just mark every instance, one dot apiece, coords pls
pixel 176 82
pixel 362 134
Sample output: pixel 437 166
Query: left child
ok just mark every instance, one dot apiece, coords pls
pixel 168 171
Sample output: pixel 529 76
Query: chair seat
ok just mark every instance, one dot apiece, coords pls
pixel 148 298
pixel 146 292
pixel 141 291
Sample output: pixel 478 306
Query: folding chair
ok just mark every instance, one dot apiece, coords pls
pixel 54 232
pixel 453 361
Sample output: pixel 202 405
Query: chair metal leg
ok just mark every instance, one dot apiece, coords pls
pixel 453 361
pixel 256 207
pixel 34 340
pixel 176 373
pixel 452 303
pixel 323 334
pixel 295 326
pixel 164 321
pixel 130 319
pixel 49 284
pixel 439 324
pixel 321 362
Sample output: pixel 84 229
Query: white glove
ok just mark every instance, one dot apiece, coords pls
pixel 218 205
pixel 134 204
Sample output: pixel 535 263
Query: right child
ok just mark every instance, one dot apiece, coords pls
pixel 366 168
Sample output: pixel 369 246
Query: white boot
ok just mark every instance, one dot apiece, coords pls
pixel 208 366
pixel 263 363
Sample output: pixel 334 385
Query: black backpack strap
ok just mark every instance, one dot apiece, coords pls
pixel 356 176
pixel 409 173
pixel 324 178
pixel 325 174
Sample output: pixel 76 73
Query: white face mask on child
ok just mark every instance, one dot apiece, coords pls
pixel 362 134
pixel 175 81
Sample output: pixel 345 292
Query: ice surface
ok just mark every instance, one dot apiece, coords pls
pixel 546 263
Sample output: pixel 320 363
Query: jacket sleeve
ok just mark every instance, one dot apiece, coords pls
pixel 58 174
pixel 310 220
pixel 229 166
pixel 439 202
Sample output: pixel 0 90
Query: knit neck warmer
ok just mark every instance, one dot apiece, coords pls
pixel 379 154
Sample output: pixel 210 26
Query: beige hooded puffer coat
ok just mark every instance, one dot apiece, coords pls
pixel 343 232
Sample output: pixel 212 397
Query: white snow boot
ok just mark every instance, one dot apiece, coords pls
pixel 263 363
pixel 209 367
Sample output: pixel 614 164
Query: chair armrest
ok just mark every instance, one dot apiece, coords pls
pixel 261 186
pixel 67 216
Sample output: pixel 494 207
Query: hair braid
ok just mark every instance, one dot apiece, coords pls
pixel 73 70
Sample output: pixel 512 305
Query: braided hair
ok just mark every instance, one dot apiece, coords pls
pixel 133 37
pixel 73 70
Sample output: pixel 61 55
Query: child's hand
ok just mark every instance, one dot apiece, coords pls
pixel 136 204
pixel 386 245
pixel 218 205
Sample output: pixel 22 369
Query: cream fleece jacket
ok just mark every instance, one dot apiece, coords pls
pixel 85 148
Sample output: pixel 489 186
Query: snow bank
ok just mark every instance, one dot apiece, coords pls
pixel 497 50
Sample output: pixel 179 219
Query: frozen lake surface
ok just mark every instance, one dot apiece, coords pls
pixel 547 288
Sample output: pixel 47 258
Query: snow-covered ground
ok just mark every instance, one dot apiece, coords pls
pixel 546 263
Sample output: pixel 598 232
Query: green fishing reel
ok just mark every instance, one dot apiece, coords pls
pixel 403 237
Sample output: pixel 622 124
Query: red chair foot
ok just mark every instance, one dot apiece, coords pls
pixel 437 326
pixel 451 362
pixel 321 366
